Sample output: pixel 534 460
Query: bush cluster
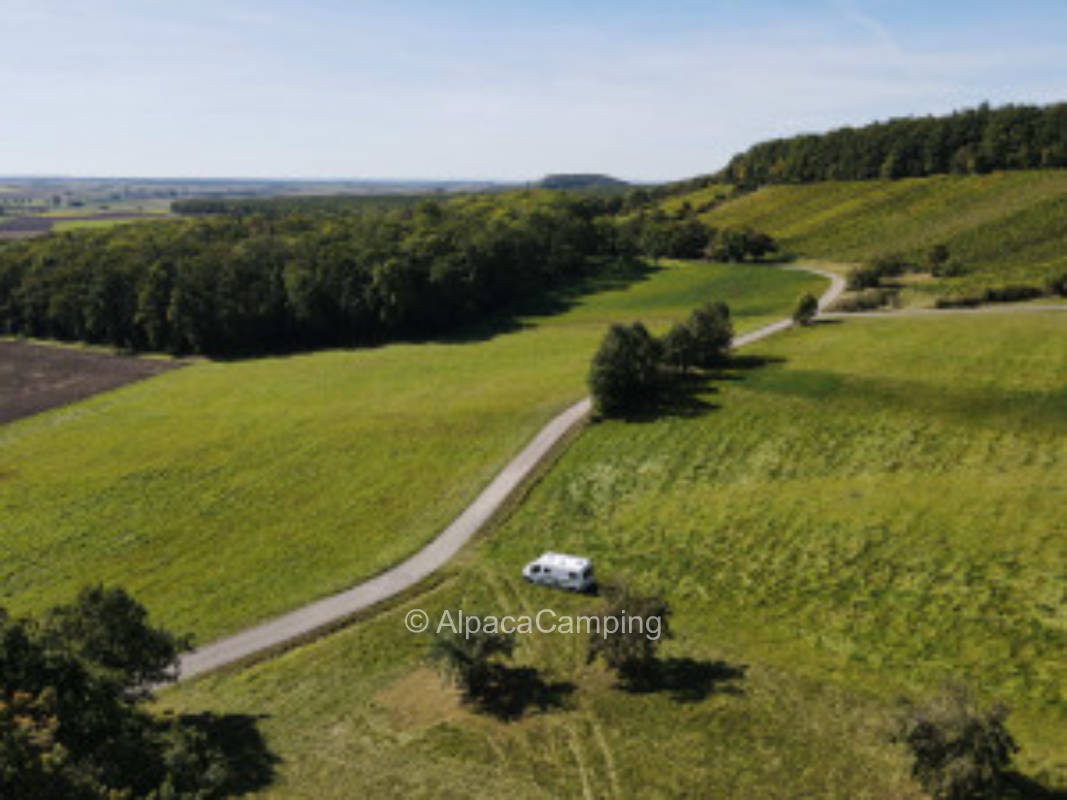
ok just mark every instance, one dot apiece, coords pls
pixel 870 275
pixel 629 367
pixel 1000 294
pixel 866 300
pixel 657 235
pixel 1058 285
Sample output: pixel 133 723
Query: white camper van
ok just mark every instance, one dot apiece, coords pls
pixel 562 571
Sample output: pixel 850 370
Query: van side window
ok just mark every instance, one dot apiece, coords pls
pixel 572 575
pixel 535 569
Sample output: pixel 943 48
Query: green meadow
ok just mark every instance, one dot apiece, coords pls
pixel 873 512
pixel 1005 227
pixel 227 492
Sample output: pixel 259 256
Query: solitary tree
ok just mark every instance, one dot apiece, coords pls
pixel 960 752
pixel 806 309
pixel 640 625
pixel 465 658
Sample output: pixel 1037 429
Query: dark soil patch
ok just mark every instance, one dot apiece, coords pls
pixel 35 378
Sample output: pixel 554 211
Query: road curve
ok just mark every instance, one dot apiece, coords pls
pixel 330 610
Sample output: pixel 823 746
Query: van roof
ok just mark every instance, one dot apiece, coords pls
pixel 563 561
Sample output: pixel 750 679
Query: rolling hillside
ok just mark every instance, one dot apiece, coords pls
pixel 873 512
pixel 1002 228
pixel 227 492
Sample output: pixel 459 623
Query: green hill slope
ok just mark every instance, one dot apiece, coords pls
pixel 1006 227
pixel 227 492
pixel 875 511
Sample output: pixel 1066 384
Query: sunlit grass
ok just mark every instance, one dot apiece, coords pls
pixel 1006 227
pixel 876 511
pixel 223 493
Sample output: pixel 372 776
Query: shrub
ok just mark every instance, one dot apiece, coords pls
pixel 952 269
pixel 870 275
pixel 625 370
pixel 998 294
pixel 863 278
pixel 937 257
pixel 1058 285
pixel 958 301
pixel 959 751
pixel 890 266
pixel 867 300
pixel 735 244
pixel 465 658
pixel 1011 294
pixel 806 310
pixel 641 624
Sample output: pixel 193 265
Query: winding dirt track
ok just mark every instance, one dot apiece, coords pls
pixel 330 611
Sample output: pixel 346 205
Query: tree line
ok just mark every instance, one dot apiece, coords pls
pixel 238 284
pixel 971 141
pixel 338 275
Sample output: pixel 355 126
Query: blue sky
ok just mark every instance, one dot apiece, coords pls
pixel 508 90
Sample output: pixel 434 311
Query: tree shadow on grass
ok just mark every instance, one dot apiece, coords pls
pixel 681 395
pixel 735 367
pixel 686 680
pixel 513 690
pixel 684 393
pixel 250 765
pixel 1020 787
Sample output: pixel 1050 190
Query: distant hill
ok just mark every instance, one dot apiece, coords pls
pixel 581 181
pixel 969 142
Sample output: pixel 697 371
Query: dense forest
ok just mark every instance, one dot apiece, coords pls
pixel 290 204
pixel 283 279
pixel 583 182
pixel 973 141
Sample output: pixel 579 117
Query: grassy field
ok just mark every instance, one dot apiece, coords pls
pixel 1006 227
pixel 874 512
pixel 224 493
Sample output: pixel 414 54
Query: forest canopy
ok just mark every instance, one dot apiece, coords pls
pixel 972 141
pixel 341 274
